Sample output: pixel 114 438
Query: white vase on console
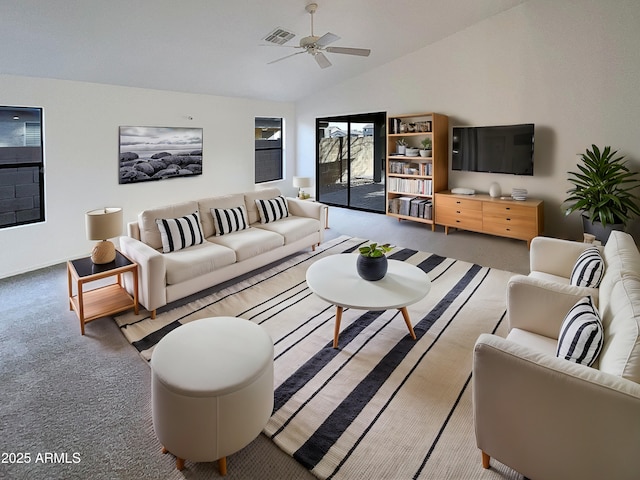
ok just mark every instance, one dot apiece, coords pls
pixel 494 190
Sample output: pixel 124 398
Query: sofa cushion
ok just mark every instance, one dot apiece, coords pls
pixel 227 220
pixel 621 252
pixel 149 231
pixel 272 209
pixel 250 242
pixel 532 340
pixel 621 320
pixel 580 339
pixel 179 233
pixel 196 260
pixel 292 228
pixel 250 202
pixel 588 269
pixel 223 201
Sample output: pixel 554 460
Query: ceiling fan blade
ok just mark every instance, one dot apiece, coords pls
pixel 363 52
pixel 280 59
pixel 322 60
pixel 326 39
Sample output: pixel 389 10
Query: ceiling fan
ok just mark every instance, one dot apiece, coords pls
pixel 315 46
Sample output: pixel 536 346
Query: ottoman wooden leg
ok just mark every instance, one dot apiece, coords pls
pixel 222 466
pixel 179 463
pixel 164 450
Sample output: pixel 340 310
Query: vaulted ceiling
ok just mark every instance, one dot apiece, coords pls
pixel 216 46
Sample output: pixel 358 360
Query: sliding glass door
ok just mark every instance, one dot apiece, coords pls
pixel 350 159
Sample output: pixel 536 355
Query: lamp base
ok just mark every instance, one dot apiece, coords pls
pixel 103 252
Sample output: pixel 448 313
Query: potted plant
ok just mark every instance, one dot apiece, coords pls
pixel 425 151
pixel 402 146
pixel 603 191
pixel 372 263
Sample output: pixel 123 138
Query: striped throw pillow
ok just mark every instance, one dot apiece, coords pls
pixel 179 233
pixel 581 334
pixel 589 269
pixel 272 209
pixel 227 220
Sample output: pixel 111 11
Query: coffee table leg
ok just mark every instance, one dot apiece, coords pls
pixel 407 320
pixel 336 331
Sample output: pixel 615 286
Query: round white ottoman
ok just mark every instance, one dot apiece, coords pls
pixel 211 388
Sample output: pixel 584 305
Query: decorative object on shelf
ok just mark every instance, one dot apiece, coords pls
pixel 372 263
pixel 411 152
pixel 603 191
pixel 300 183
pixel 401 144
pixel 403 127
pixel 494 190
pixel 425 151
pixel 519 193
pixel 103 224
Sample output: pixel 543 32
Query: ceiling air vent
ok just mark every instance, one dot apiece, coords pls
pixel 279 36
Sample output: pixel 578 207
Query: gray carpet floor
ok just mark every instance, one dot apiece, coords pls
pixel 74 407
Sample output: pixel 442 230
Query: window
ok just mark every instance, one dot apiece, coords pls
pixel 21 166
pixel 268 138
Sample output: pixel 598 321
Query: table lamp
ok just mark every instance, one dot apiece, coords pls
pixel 300 183
pixel 103 224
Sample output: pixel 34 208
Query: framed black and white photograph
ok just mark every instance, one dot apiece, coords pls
pixel 156 153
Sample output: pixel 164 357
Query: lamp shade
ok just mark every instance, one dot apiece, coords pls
pixel 104 223
pixel 301 182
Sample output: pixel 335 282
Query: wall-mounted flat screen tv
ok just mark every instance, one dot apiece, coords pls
pixel 494 149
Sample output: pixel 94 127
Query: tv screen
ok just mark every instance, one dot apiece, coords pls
pixel 495 149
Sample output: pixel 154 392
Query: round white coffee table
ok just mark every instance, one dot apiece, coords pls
pixel 336 280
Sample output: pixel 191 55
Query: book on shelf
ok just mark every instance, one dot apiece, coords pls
pixel 412 207
pixel 410 168
pixel 422 186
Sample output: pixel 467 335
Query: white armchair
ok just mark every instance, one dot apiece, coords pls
pixel 547 417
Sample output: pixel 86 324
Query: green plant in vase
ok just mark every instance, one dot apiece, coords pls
pixel 402 145
pixel 425 151
pixel 372 263
pixel 603 191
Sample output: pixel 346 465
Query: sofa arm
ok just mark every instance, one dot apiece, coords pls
pixel 550 418
pixel 306 208
pixel 151 273
pixel 540 306
pixel 554 255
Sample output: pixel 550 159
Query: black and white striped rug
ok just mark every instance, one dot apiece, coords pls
pixel 382 405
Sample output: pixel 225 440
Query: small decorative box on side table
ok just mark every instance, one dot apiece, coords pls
pixel 102 301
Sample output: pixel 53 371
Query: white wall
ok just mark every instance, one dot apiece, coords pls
pixel 81 123
pixel 571 67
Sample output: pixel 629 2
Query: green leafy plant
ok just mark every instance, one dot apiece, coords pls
pixel 402 142
pixel 426 144
pixel 603 188
pixel 374 250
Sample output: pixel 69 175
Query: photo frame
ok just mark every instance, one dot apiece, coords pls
pixel 158 153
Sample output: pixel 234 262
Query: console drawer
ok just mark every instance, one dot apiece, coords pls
pixel 459 218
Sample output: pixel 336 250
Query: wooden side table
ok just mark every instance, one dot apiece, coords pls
pixel 102 301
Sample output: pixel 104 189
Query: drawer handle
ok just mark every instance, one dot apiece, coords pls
pixel 458 201
pixel 457 211
pixel 457 221
pixel 508 208
pixel 508 219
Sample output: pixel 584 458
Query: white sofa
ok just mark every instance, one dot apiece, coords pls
pixel 547 417
pixel 166 277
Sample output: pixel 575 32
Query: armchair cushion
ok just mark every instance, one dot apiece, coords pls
pixel 588 269
pixel 581 334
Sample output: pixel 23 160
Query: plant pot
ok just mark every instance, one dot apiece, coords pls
pixel 372 268
pixel 601 233
pixel 401 149
pixel 425 153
